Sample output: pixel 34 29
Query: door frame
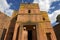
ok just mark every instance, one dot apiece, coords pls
pixel 31 23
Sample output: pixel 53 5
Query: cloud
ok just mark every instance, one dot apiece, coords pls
pixel 43 4
pixel 36 1
pixel 4 3
pixel 8 12
pixel 54 15
pixel 4 7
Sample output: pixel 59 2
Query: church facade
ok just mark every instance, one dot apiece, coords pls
pixel 29 23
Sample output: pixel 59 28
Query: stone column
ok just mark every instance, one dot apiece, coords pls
pixel 40 32
pixel 15 31
pixel 53 36
pixel 20 32
pixel 6 34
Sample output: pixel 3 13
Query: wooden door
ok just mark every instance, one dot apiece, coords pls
pixel 34 34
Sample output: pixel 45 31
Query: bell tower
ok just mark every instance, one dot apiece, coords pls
pixel 29 23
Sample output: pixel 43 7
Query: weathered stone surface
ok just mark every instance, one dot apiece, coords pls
pixel 4 22
pixel 34 20
pixel 57 31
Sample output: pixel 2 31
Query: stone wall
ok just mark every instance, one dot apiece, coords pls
pixel 4 23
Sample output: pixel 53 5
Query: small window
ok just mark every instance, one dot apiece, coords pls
pixel 43 18
pixel 29 11
pixel 48 36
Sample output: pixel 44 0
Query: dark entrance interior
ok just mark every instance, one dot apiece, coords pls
pixel 32 35
pixel 29 34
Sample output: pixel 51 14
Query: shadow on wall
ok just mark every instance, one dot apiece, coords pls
pixel 11 29
pixel 3 34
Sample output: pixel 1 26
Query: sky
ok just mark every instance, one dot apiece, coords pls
pixel 50 6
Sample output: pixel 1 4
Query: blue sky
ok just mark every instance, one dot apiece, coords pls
pixel 54 6
pixel 50 6
pixel 15 4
